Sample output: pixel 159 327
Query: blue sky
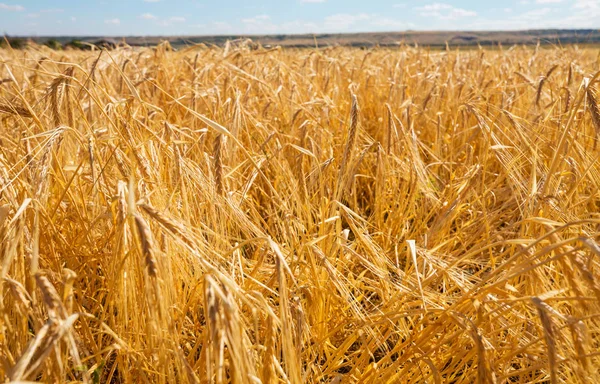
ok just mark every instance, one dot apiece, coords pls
pixel 191 17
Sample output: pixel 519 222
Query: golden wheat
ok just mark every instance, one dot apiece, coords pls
pixel 333 215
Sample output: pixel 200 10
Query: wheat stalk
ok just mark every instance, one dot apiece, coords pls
pixel 594 111
pixel 543 79
pixel 15 110
pixel 348 148
pixel 217 164
pixel 147 245
pixel 548 327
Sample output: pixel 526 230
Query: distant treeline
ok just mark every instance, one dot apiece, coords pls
pixel 21 43
pixel 440 39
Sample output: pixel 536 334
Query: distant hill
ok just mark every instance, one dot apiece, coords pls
pixel 424 38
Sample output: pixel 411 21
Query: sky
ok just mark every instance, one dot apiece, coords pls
pixel 239 17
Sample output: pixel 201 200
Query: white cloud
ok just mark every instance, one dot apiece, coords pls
pixel 444 11
pixel 7 7
pixel 574 13
pixel 33 15
pixel 171 20
pixel 586 14
pixel 583 14
pixel 459 12
pixel 114 21
pixel 73 18
pixel 535 14
pixel 548 1
pixel 343 21
pixel 299 26
pixel 256 19
pixel 264 24
pixel 312 1
pixel 389 24
pixel 261 24
pixel 587 4
pixel 435 7
pixel 214 28
pixel 148 16
pixel 221 25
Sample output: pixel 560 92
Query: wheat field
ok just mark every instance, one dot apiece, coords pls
pixel 331 215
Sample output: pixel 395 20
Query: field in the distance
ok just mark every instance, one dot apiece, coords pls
pixel 299 215
pixel 437 39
